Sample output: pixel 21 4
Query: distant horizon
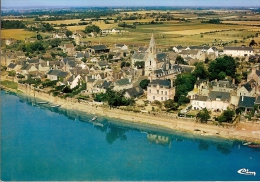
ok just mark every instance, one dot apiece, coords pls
pixel 126 3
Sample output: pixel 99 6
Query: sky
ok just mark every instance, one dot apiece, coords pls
pixel 38 3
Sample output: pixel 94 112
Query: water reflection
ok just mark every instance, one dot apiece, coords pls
pixel 203 146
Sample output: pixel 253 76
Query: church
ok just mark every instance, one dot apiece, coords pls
pixel 158 64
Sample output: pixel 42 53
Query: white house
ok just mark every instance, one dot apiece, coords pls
pixel 73 81
pixel 238 51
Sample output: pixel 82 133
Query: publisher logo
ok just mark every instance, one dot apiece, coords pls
pixel 245 171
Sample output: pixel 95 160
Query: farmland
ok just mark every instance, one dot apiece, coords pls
pixel 185 27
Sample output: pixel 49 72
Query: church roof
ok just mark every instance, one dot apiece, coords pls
pixel 152 42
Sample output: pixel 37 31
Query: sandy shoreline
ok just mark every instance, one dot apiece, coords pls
pixel 246 131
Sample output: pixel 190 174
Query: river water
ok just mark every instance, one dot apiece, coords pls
pixel 41 143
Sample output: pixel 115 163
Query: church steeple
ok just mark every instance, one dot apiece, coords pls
pixel 152 46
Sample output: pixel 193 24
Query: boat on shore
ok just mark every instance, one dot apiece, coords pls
pixel 247 143
pixel 254 146
pixel 42 102
pixel 94 118
pixel 54 106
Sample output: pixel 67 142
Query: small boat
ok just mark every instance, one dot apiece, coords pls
pixel 94 118
pixel 55 106
pixel 254 146
pixel 247 143
pixel 42 102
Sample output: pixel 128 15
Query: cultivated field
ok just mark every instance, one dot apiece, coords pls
pixel 18 34
pixel 237 28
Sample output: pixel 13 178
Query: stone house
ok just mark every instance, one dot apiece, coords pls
pixel 69 49
pixel 57 75
pixel 122 84
pixel 247 89
pixel 133 92
pixel 160 90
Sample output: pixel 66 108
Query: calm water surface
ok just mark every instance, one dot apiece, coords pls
pixel 43 143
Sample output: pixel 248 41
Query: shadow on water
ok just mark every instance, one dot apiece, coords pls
pixel 117 130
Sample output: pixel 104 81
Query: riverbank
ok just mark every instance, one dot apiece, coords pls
pixel 246 131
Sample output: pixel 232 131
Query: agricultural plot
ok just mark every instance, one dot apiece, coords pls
pixel 18 34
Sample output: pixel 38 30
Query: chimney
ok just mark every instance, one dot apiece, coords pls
pixel 171 83
pixel 48 63
pixel 233 81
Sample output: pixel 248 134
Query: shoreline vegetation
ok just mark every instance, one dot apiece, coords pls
pixel 244 131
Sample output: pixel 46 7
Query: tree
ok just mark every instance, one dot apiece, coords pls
pixel 203 116
pixel 84 59
pixel 171 105
pixel 183 84
pixel 252 43
pixel 92 28
pixel 224 64
pixel 180 60
pixel 39 37
pixel 200 71
pixel 125 64
pixel 68 33
pixel 55 42
pixel 144 83
pixel 226 116
pixel 139 64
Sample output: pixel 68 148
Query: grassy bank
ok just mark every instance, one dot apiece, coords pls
pixel 9 84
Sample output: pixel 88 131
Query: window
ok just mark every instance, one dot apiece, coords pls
pixel 161 98
pixel 157 91
pixel 162 92
pixel 149 90
pixel 153 97
pixel 166 98
pixel 165 92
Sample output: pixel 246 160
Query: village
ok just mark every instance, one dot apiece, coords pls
pixel 145 75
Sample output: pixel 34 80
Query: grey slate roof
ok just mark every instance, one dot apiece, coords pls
pixel 239 48
pixel 135 91
pixel 142 49
pixel 161 57
pixel 223 96
pixel 26 67
pixel 138 55
pixel 11 65
pixel 58 73
pixel 33 61
pixel 201 98
pixel 165 83
pixel 247 87
pixel 99 47
pixel 102 63
pixel 246 102
pixel 199 47
pixel 222 83
pixel 67 59
pixel 121 82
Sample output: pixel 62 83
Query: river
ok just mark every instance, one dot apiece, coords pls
pixel 42 143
